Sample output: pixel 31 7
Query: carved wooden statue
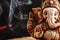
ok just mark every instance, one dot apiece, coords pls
pixel 48 18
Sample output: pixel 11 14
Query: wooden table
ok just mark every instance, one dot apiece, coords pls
pixel 23 38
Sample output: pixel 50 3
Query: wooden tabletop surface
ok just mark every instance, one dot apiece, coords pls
pixel 23 38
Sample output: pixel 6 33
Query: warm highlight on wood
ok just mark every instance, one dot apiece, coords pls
pixel 48 18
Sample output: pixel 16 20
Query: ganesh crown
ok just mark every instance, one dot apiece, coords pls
pixel 50 3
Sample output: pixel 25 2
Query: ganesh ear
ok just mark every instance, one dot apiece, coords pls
pixel 35 10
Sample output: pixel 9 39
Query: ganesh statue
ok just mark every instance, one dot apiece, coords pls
pixel 48 19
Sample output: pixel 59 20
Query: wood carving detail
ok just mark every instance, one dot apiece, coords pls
pixel 48 18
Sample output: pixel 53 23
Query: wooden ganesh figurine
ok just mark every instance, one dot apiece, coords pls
pixel 48 18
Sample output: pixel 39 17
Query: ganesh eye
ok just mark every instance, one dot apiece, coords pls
pixel 45 12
